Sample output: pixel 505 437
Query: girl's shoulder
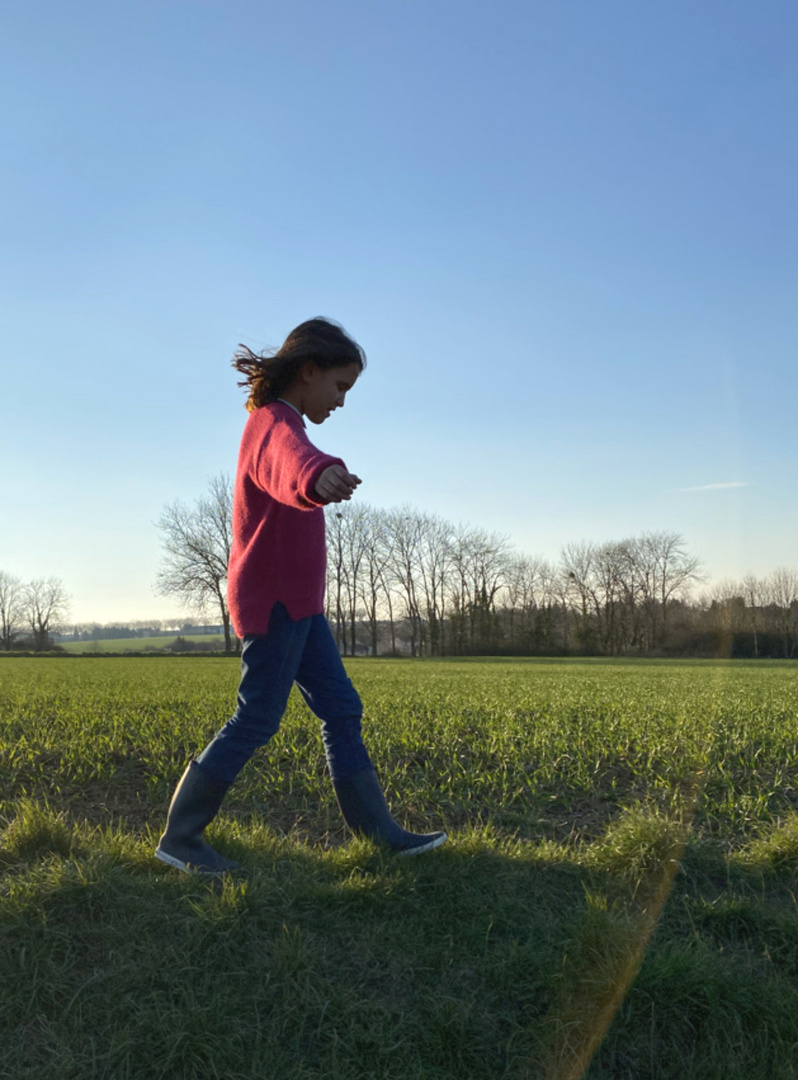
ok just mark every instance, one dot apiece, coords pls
pixel 274 413
pixel 275 424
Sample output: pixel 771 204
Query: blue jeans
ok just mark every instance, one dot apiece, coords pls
pixel 302 652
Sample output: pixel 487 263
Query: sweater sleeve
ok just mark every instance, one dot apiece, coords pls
pixel 287 466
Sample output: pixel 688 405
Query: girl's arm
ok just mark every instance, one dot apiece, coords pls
pixel 289 468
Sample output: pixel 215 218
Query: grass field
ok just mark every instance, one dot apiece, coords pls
pixel 142 644
pixel 617 899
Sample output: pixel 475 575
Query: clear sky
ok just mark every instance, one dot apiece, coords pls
pixel 565 234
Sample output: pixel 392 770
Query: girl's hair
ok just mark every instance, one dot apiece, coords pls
pixel 269 374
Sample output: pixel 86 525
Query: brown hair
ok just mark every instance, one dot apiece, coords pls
pixel 269 374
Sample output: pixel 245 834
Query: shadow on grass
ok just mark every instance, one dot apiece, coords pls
pixel 629 957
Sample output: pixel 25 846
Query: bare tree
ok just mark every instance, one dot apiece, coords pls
pixel 525 585
pixel 336 574
pixel 621 574
pixel 403 532
pixel 480 563
pixel 579 587
pixel 11 609
pixel 672 570
pixel 374 587
pixel 599 581
pixel 433 571
pixel 623 590
pixel 753 595
pixel 196 542
pixel 782 593
pixel 727 607
pixel 336 584
pixel 525 592
pixel 349 538
pixel 46 604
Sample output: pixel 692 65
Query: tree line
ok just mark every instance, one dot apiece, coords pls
pixel 403 581
pixel 400 580
pixel 30 611
pixel 403 576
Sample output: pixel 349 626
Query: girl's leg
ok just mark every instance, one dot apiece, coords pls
pixel 268 665
pixel 324 684
pixel 327 689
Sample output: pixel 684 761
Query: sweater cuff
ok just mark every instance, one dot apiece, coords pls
pixel 309 482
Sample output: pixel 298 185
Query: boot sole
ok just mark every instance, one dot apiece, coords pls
pixel 189 868
pixel 434 843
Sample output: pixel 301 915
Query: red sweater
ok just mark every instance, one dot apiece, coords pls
pixel 278 551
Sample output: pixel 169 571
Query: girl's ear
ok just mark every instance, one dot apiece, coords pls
pixel 307 372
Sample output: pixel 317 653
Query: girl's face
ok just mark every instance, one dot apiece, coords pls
pixel 321 391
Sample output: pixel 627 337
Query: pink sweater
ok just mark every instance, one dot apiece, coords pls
pixel 278 551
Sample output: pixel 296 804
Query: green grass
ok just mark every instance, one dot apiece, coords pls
pixel 617 900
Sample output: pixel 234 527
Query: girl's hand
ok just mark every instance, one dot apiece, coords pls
pixel 336 484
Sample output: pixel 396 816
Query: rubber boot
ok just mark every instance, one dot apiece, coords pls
pixel 194 805
pixel 366 813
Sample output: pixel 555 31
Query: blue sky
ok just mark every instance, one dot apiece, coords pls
pixel 565 234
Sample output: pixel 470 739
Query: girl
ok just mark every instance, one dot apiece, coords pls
pixel 275 586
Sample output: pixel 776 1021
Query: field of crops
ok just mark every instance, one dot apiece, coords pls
pixel 141 644
pixel 617 899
